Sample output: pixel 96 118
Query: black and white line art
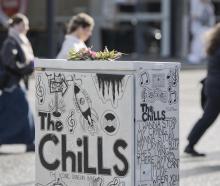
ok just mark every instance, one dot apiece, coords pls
pixel 110 87
pixel 173 77
pixel 144 79
pixel 83 105
pixel 97 181
pixel 57 105
pixel 173 162
pixel 58 84
pixel 55 182
pixel 71 121
pixel 116 182
pixel 172 95
pixel 152 95
pixel 40 90
pixel 110 123
pixel 174 180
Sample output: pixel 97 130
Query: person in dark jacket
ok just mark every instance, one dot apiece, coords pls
pixel 212 91
pixel 16 119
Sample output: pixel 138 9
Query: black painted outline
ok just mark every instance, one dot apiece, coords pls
pixel 117 118
pixel 40 90
pixel 117 99
pixel 116 182
pixel 71 118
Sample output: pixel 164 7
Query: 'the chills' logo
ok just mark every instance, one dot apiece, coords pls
pixel 80 159
pixel 149 114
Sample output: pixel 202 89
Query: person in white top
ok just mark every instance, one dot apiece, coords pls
pixel 202 19
pixel 78 32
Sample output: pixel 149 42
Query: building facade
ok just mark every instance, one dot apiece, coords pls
pixel 148 28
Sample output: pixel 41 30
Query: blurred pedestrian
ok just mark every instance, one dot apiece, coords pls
pixel 16 120
pixel 3 18
pixel 202 19
pixel 78 32
pixel 212 91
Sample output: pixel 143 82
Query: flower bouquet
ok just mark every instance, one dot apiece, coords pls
pixel 88 54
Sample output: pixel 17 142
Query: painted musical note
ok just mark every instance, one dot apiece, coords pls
pixel 173 77
pixel 172 97
pixel 71 121
pixel 144 79
pixel 40 90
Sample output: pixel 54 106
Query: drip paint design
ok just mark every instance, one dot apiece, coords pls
pixel 110 81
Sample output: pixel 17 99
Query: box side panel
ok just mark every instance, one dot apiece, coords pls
pixel 84 129
pixel 157 127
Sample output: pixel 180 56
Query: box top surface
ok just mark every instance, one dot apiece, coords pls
pixel 102 65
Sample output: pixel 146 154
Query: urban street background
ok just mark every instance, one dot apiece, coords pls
pixel 158 30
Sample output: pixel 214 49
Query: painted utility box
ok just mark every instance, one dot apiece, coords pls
pixel 107 123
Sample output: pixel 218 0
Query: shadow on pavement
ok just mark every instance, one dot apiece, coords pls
pixel 210 156
pixel 200 169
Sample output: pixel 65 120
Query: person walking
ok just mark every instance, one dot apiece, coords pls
pixel 202 19
pixel 78 32
pixel 212 91
pixel 16 55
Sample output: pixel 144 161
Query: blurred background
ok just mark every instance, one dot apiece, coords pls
pixel 146 29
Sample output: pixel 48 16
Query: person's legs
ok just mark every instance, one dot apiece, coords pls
pixel 29 130
pixel 211 112
pixel 17 123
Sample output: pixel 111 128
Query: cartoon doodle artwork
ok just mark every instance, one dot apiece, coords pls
pixel 56 182
pixel 152 95
pixel 174 180
pixel 173 78
pixel 58 105
pixel 40 90
pixel 57 85
pixel 110 123
pixel 71 121
pixel 172 96
pixel 110 87
pixel 173 162
pixel 98 181
pixel 144 79
pixel 152 91
pixel 84 106
pixel 116 182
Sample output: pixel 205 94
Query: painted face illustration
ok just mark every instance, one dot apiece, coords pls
pixel 110 123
